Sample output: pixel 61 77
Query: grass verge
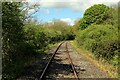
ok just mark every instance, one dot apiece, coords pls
pixel 102 64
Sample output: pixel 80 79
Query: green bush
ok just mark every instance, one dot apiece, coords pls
pixel 102 40
pixel 90 44
pixel 36 36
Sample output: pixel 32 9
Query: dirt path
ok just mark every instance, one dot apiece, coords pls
pixel 60 67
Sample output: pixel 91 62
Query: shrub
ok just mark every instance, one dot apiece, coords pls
pixel 102 40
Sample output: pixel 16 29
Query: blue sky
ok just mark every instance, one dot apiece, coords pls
pixel 47 15
pixel 67 11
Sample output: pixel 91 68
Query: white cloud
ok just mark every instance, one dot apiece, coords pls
pixel 45 11
pixel 68 20
pixel 76 5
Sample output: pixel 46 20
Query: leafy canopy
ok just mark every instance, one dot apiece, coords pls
pixel 96 14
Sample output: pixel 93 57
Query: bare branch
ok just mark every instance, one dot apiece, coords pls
pixel 27 8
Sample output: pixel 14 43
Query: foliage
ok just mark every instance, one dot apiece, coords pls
pixel 17 52
pixel 96 14
pixel 99 32
pixel 35 36
pixel 102 40
pixel 12 37
pixel 60 31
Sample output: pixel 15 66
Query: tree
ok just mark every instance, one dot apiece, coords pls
pixel 13 37
pixel 96 14
pixel 12 26
pixel 16 51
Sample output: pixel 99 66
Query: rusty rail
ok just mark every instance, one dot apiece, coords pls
pixel 48 64
pixel 72 65
pixel 46 67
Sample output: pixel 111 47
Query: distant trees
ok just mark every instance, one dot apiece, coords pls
pixel 60 29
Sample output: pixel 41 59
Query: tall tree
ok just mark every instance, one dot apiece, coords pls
pixel 12 35
pixel 96 14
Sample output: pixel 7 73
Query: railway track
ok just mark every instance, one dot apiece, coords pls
pixel 45 70
pixel 72 65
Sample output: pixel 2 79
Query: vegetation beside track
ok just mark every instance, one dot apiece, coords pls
pixel 101 64
pixel 97 32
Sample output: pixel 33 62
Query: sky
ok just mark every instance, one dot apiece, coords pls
pixel 64 10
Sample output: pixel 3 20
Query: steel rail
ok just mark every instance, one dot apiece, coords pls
pixel 47 65
pixel 72 65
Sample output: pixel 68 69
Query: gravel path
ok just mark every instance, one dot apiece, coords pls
pixel 84 67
